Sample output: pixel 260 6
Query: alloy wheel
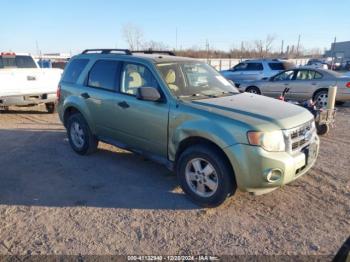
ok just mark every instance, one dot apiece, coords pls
pixel 77 135
pixel 201 177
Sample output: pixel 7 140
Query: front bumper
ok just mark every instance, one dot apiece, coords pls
pixel 27 100
pixel 252 163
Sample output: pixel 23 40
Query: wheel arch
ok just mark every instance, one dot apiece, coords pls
pixel 72 108
pixel 318 91
pixel 197 140
pixel 253 86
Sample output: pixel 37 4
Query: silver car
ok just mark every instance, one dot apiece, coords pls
pixel 304 83
pixel 255 70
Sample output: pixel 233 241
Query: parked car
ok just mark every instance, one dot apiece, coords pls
pixel 24 83
pixel 182 113
pixel 255 70
pixel 317 64
pixel 304 83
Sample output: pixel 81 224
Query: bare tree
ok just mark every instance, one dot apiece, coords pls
pixel 268 43
pixel 133 36
pixel 154 45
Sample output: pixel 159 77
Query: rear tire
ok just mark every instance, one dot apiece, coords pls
pixel 321 99
pixel 50 107
pixel 80 137
pixel 253 90
pixel 205 176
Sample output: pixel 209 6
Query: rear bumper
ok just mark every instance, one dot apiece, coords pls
pixel 27 100
pixel 343 95
pixel 251 165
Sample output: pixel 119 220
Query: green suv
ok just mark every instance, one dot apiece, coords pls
pixel 184 114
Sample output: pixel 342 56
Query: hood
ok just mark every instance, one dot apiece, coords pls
pixel 259 112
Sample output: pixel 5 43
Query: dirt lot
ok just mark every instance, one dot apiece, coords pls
pixel 53 201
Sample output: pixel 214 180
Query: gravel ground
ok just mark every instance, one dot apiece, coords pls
pixel 53 201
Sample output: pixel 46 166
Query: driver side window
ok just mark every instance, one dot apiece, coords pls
pixel 240 67
pixel 284 76
pixel 135 76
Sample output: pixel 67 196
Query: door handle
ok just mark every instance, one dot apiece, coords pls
pixel 31 78
pixel 85 95
pixel 314 84
pixel 286 84
pixel 123 104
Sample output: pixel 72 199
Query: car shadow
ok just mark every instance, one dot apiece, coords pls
pixel 38 168
pixel 27 112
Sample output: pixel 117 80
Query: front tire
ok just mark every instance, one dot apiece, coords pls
pixel 322 129
pixel 80 137
pixel 205 176
pixel 253 90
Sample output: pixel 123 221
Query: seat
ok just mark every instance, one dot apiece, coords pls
pixel 170 79
pixel 135 81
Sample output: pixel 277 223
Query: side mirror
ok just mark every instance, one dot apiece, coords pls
pixel 148 94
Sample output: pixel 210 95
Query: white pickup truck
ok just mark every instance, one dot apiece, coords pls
pixel 23 83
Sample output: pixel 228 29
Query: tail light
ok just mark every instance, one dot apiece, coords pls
pixel 348 84
pixel 58 93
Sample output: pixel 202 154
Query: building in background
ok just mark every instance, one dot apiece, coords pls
pixel 339 50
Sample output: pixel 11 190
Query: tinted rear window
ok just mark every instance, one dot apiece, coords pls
pixel 19 61
pixel 104 74
pixel 74 69
pixel 280 66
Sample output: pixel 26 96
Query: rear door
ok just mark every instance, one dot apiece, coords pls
pixel 100 94
pixel 305 83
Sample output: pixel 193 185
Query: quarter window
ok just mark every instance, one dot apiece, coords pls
pixel 104 75
pixel 74 70
pixel 135 76
pixel 308 75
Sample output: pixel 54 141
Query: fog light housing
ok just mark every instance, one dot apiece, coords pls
pixel 273 175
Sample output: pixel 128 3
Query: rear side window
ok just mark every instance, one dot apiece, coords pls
pixel 276 66
pixel 104 74
pixel 281 66
pixel 74 70
pixel 255 67
pixel 19 61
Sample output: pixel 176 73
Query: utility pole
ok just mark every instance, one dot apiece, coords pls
pixel 282 47
pixel 298 46
pixel 207 47
pixel 38 53
pixel 176 39
pixel 333 53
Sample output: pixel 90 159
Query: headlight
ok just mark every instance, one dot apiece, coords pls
pixel 270 141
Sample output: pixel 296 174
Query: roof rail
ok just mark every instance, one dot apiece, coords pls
pixel 150 51
pixel 107 51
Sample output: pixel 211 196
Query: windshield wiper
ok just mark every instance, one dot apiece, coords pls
pixel 197 95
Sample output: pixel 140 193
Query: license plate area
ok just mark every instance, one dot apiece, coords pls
pixel 310 153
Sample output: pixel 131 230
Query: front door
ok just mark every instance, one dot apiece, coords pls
pixel 279 83
pixel 141 124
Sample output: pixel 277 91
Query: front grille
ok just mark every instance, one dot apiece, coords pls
pixel 301 136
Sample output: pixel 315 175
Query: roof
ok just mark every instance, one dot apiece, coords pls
pixel 265 60
pixel 150 55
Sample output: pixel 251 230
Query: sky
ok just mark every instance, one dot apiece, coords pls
pixel 73 25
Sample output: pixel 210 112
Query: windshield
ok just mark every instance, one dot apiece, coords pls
pixel 19 61
pixel 195 80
